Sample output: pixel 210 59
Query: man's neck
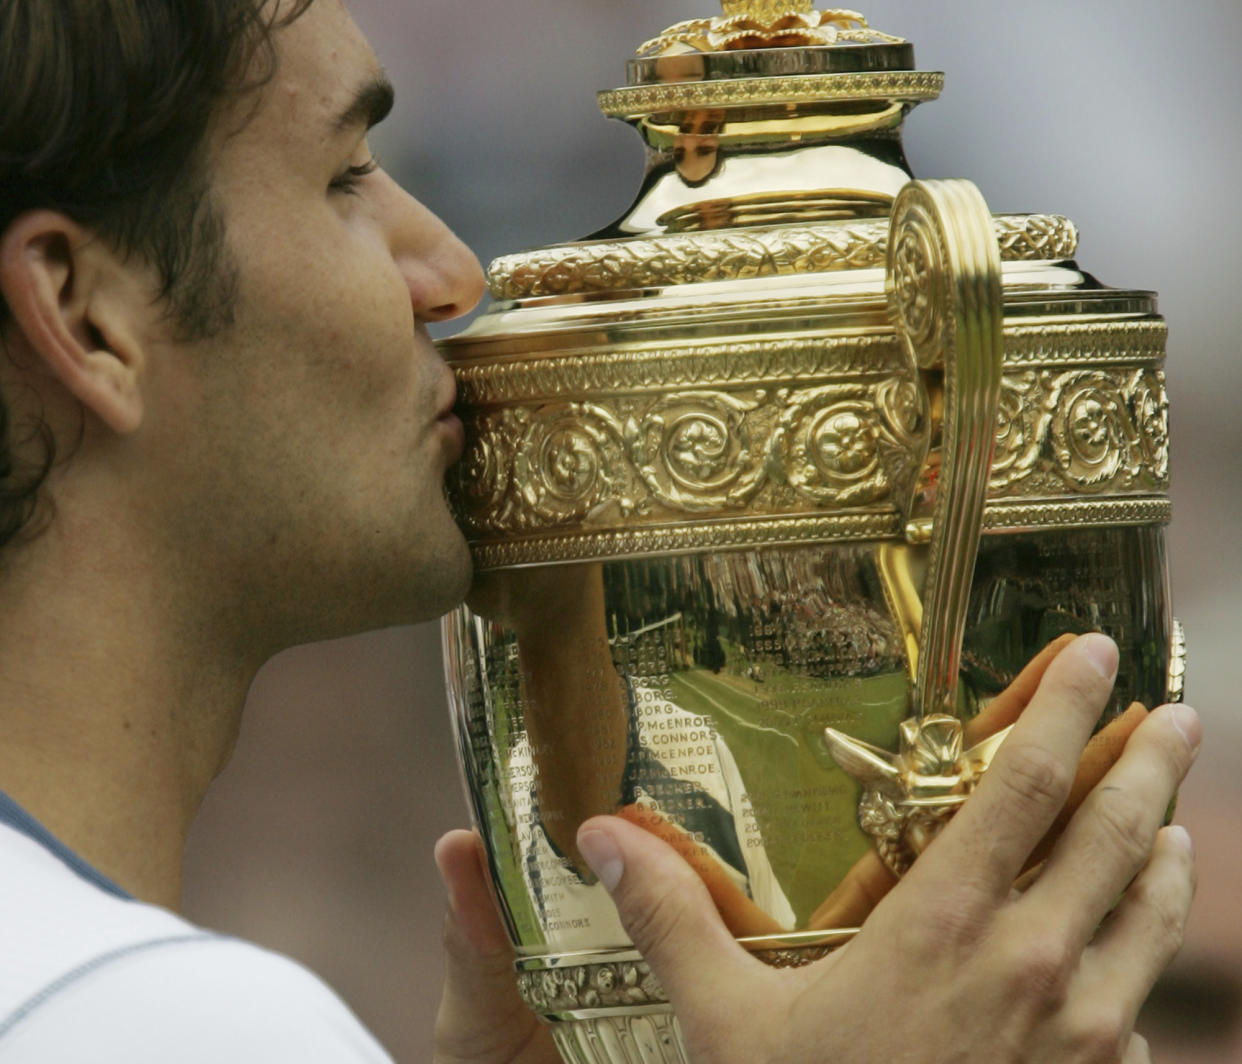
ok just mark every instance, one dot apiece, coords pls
pixel 116 709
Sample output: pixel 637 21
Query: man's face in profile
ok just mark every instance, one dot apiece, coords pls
pixel 315 432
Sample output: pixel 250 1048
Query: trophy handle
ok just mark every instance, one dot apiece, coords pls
pixel 945 301
pixel 944 297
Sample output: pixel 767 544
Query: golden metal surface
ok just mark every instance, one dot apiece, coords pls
pixel 772 9
pixel 634 101
pixel 608 266
pixel 655 367
pixel 910 795
pixel 634 1037
pixel 766 24
pixel 767 506
pixel 840 433
pixel 562 985
pixel 944 290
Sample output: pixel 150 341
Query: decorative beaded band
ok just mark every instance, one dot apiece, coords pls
pixel 906 86
pixel 551 985
pixel 684 258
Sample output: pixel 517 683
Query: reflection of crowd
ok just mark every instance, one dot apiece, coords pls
pixel 819 612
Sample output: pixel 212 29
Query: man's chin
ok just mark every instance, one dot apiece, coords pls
pixel 443 581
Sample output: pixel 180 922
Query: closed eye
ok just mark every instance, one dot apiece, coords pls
pixel 347 180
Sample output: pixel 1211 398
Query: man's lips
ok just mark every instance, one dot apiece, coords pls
pixel 450 424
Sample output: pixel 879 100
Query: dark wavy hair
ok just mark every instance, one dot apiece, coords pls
pixel 106 106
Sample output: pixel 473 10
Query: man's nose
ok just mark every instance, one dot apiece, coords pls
pixel 443 275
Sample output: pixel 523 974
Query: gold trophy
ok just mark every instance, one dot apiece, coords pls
pixel 772 485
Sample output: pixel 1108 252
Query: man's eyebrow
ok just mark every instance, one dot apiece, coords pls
pixel 369 106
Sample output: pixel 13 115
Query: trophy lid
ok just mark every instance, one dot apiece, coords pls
pixel 774 150
pixel 769 53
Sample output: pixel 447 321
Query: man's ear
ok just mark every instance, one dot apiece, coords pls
pixel 79 308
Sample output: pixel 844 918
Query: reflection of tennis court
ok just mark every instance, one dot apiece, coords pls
pixel 724 699
pixel 806 808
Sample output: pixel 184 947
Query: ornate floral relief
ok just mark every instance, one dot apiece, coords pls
pixel 917 275
pixel 648 459
pixel 482 476
pixel 1150 404
pixel 913 282
pixel 1021 426
pixel 695 452
pixel 840 451
pixel 1081 431
pixel 903 406
pixel 591 986
pixel 559 466
pixel 567 463
pixel 1089 432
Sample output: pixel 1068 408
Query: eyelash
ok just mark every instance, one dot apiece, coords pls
pixel 349 180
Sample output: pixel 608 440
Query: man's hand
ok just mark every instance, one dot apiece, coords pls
pixel 954 964
pixel 482 1018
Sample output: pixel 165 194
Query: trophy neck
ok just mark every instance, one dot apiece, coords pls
pixel 762 166
pixel 748 122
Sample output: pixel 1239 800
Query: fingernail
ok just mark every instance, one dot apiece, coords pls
pixel 603 856
pixel 1102 653
pixel 1179 836
pixel 1186 721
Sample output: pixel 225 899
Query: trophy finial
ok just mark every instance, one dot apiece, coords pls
pixel 766 24
pixel 766 8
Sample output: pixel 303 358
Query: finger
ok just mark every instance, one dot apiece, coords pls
pixel 741 916
pixel 865 885
pixel 482 1017
pixel 1110 838
pixel 1031 775
pixel 472 912
pixel 1137 1051
pixel 1007 706
pixel 1102 752
pixel 665 909
pixel 1145 932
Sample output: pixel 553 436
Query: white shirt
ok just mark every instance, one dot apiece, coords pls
pixel 87 974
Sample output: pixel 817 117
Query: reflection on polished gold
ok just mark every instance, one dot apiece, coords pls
pixel 774 485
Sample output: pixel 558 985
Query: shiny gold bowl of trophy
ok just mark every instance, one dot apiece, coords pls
pixel 772 485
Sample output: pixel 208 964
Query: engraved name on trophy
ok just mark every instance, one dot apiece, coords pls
pixel 771 486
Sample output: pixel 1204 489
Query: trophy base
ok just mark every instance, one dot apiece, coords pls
pixel 609 1008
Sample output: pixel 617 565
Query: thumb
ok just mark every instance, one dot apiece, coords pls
pixel 665 909
pixel 482 1016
